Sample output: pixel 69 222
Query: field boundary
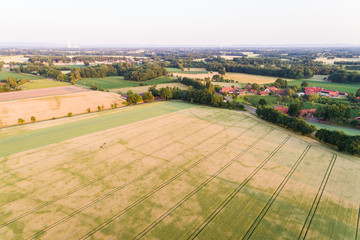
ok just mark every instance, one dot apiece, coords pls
pixel 317 199
pixel 229 198
pixel 198 188
pixel 268 205
pixel 149 194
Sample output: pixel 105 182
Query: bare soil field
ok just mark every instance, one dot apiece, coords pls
pixel 143 89
pixel 55 106
pixel 187 172
pixel 9 96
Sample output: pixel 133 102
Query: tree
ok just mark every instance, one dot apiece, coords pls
pixel 357 93
pixel 148 96
pixel 69 114
pixel 88 110
pixel 99 108
pixel 262 102
pixel 33 119
pixel 94 87
pixel 134 98
pixel 165 93
pixel 294 109
pixel 304 84
pixel 21 121
pixel 129 92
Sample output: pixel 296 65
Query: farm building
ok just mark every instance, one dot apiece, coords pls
pixel 230 90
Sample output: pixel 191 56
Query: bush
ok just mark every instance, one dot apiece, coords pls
pixel 99 108
pixel 69 114
pixel 21 121
pixel 33 119
pixel 94 87
pixel 88 110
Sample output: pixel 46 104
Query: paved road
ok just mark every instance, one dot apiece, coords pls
pixel 250 109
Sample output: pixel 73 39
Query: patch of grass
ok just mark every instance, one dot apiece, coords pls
pixel 107 83
pixel 178 70
pixel 254 100
pixel 43 83
pixel 28 140
pixel 119 82
pixel 5 75
pixel 341 87
pixel 346 130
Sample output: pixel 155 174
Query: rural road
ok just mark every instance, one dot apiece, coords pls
pixel 250 109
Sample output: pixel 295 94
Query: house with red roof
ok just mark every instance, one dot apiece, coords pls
pixel 272 89
pixel 283 110
pixel 312 90
pixel 263 93
pixel 229 90
pixel 307 113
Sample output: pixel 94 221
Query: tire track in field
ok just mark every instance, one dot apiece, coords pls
pixel 79 210
pixel 198 188
pixel 71 149
pixel 268 205
pixel 81 170
pixel 113 171
pixel 357 225
pixel 316 202
pixel 229 198
pixel 86 155
pixel 158 188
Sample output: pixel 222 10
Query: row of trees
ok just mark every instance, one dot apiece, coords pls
pixel 344 142
pixel 345 77
pixel 130 71
pixel 13 84
pixel 294 124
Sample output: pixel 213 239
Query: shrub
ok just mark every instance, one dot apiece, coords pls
pixel 88 110
pixel 33 119
pixel 69 114
pixel 21 121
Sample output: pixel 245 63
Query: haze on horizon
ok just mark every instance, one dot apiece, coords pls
pixel 198 22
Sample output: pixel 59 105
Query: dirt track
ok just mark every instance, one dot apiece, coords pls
pixel 40 93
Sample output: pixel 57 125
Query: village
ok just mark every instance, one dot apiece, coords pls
pixel 249 90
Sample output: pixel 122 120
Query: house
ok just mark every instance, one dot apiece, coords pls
pixel 230 90
pixel 343 94
pixel 272 89
pixel 307 113
pixel 243 92
pixel 263 93
pixel 312 90
pixel 329 93
pixel 248 87
pixel 281 109
pixel 281 92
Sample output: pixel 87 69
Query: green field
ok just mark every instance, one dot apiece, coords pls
pixel 43 83
pixel 118 82
pixel 254 100
pixel 5 75
pixel 172 170
pixel 178 70
pixel 341 87
pixel 346 130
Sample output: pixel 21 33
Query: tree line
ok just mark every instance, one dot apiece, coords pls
pixel 13 84
pixel 344 77
pixel 344 142
pixel 294 124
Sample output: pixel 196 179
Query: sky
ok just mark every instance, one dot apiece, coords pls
pixel 186 22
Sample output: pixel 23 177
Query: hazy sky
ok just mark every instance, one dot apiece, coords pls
pixel 186 22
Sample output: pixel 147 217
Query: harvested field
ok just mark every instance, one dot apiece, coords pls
pixel 143 89
pixel 249 78
pixel 43 108
pixel 195 75
pixel 331 61
pixel 9 96
pixel 173 170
